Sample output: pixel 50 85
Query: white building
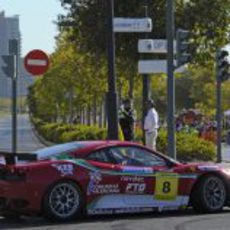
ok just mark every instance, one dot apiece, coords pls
pixel 9 29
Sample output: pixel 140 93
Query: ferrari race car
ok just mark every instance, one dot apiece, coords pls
pixel 66 181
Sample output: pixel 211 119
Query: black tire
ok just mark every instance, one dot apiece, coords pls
pixel 63 202
pixel 209 194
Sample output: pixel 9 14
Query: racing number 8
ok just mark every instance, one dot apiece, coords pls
pixel 166 187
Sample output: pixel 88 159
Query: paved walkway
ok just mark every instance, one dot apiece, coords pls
pixel 226 153
pixel 27 141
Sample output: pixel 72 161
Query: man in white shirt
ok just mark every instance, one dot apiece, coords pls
pixel 151 125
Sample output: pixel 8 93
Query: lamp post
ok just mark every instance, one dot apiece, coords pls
pixel 111 94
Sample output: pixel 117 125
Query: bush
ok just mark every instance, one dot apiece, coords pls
pixel 48 131
pixel 60 133
pixel 192 148
pixel 189 146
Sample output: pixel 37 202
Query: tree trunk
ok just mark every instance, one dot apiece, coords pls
pixel 100 121
pixel 95 110
pixel 89 115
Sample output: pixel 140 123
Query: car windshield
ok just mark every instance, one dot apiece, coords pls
pixel 58 151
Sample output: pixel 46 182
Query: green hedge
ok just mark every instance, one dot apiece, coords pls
pixel 60 133
pixel 189 146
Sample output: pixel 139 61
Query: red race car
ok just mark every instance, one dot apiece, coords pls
pixel 65 181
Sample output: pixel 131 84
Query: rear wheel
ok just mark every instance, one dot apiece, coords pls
pixel 63 202
pixel 209 195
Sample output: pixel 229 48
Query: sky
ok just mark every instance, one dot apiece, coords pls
pixel 36 18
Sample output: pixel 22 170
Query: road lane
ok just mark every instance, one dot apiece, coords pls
pixel 27 140
pixel 181 220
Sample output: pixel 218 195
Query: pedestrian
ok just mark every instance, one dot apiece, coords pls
pixel 151 125
pixel 126 116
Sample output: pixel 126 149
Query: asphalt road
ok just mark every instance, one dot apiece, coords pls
pixel 186 220
pixel 27 141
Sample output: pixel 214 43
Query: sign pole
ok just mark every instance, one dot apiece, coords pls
pixel 171 80
pixel 111 95
pixel 13 49
pixel 14 107
pixel 146 85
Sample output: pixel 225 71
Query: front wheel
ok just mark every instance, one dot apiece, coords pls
pixel 209 195
pixel 63 202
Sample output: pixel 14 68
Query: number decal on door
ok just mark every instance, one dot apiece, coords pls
pixel 166 187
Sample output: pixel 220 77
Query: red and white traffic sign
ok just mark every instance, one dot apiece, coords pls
pixel 36 62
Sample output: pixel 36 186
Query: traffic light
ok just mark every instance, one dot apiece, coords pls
pixel 183 47
pixel 9 67
pixel 222 65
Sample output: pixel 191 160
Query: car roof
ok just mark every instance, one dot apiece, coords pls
pixel 79 147
pixel 83 148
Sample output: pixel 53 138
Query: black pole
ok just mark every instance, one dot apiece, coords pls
pixel 171 80
pixel 145 84
pixel 14 50
pixel 111 95
pixel 14 108
pixel 218 112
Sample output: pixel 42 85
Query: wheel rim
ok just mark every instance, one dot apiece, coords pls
pixel 64 200
pixel 214 193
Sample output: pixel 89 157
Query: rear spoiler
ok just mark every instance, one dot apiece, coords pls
pixel 11 158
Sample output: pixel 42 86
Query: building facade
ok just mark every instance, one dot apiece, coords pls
pixel 9 29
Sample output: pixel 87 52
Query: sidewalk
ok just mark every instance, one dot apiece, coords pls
pixel 226 153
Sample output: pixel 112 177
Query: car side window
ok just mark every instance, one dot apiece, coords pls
pixel 99 156
pixel 135 156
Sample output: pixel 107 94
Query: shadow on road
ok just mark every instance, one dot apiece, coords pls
pixel 33 222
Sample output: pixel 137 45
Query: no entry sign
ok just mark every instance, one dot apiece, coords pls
pixel 36 62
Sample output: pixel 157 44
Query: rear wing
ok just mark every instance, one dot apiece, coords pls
pixel 9 158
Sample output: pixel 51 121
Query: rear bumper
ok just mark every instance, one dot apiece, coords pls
pixel 19 197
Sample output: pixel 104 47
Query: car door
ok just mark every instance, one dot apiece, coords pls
pixel 146 178
pixel 104 188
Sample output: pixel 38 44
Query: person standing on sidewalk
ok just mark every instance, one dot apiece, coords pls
pixel 126 116
pixel 151 125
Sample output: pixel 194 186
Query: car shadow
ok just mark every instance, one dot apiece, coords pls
pixel 31 222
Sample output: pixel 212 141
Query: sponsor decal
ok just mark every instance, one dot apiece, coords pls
pixel 64 169
pixel 132 179
pixel 168 208
pixel 94 186
pixel 135 188
pixel 208 168
pixel 134 169
pixel 119 210
pixel 100 211
pixel 95 179
pixel 133 210
pixel 105 188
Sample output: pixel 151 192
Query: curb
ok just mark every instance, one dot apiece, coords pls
pixel 40 138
